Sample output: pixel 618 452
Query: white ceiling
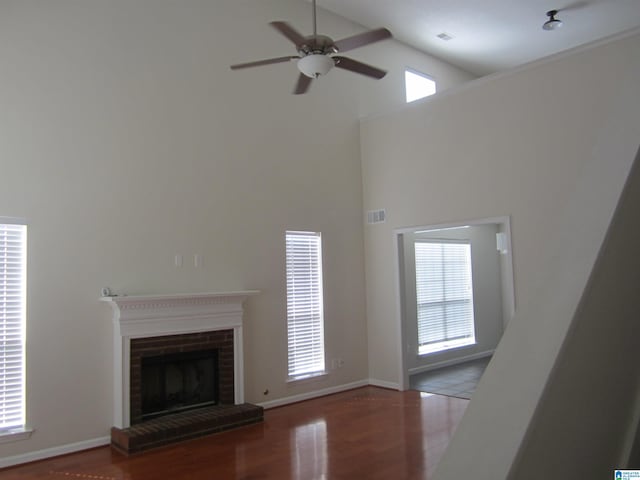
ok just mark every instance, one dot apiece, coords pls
pixel 491 35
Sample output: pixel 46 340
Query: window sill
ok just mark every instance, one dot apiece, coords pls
pixel 15 434
pixel 307 377
pixel 444 346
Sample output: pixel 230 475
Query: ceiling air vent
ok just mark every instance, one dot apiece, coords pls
pixel 376 216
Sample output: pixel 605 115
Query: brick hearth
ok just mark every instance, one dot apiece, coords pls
pixel 183 426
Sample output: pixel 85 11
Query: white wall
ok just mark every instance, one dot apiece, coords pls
pixel 126 139
pixel 487 294
pixel 550 145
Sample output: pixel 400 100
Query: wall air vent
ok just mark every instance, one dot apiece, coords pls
pixel 376 216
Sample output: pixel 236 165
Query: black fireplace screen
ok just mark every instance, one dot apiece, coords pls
pixel 179 381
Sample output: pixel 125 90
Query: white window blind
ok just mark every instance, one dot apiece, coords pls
pixel 444 296
pixel 305 323
pixel 13 240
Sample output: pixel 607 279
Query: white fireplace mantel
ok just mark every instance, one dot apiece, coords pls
pixel 158 315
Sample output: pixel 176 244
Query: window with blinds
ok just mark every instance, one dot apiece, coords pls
pixel 13 241
pixel 444 296
pixel 305 322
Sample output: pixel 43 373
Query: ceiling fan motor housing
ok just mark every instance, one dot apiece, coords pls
pixel 314 55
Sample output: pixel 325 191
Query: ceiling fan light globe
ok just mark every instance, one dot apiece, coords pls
pixel 315 65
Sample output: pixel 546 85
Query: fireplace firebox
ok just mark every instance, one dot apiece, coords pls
pixel 178 382
pixel 173 373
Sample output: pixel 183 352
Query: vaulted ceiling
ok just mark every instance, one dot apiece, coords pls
pixel 491 35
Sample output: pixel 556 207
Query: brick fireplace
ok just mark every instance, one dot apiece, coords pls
pixel 219 342
pixel 169 331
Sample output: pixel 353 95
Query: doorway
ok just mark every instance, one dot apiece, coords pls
pixel 447 328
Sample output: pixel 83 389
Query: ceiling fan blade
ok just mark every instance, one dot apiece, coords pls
pixel 291 33
pixel 303 84
pixel 362 39
pixel 268 61
pixel 358 67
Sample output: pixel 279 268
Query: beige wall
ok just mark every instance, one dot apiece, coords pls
pixel 126 139
pixel 550 145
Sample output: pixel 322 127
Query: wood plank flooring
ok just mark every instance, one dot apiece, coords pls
pixel 366 433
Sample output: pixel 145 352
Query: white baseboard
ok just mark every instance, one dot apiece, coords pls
pixel 381 383
pixel 54 451
pixel 314 394
pixel 448 363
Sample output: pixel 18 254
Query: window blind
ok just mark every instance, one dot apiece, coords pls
pixel 12 317
pixel 305 324
pixel 444 293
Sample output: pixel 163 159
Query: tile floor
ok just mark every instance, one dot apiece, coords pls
pixel 454 381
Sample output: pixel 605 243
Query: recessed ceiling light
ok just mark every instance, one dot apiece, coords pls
pixel 445 36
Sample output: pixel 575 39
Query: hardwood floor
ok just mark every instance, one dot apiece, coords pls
pixel 367 433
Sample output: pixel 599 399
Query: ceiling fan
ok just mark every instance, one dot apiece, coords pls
pixel 317 53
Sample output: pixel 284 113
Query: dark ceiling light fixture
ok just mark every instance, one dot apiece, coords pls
pixel 553 23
